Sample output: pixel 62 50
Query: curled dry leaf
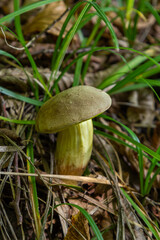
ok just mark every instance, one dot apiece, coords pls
pixel 19 82
pixel 143 108
pixel 13 79
pixel 28 16
pixel 47 16
pixel 146 24
pixel 9 133
pixel 13 107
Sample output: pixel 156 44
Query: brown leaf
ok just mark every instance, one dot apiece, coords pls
pixel 9 133
pixel 146 24
pixel 156 211
pixel 47 16
pixel 6 6
pixel 143 107
pixel 81 224
pixel 13 79
pixel 156 136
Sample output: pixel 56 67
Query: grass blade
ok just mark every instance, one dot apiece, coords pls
pixel 139 151
pixel 103 16
pixel 144 218
pixel 153 11
pixel 86 65
pixel 96 49
pixel 25 9
pixel 28 122
pixel 59 40
pixel 141 84
pixel 10 56
pixel 122 70
pixel 133 75
pixel 88 217
pixel 137 144
pixel 20 97
pixel 78 69
pixel 66 42
pixel 33 190
pixel 148 182
pixel 152 181
pixel 33 64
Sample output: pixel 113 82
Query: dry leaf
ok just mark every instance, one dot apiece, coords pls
pixel 143 109
pixel 6 6
pixel 81 224
pixel 88 207
pixel 9 133
pixel 13 79
pixel 146 24
pixel 156 136
pixel 47 16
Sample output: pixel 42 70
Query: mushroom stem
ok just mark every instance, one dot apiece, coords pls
pixel 74 147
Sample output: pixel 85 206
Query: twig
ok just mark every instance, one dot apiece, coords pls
pixel 64 177
pixel 16 201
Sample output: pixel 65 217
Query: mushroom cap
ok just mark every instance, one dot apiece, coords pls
pixel 70 107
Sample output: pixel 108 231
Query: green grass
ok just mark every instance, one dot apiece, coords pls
pixel 89 218
pixel 32 62
pixel 33 188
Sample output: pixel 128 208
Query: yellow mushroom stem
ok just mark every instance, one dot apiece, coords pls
pixel 74 148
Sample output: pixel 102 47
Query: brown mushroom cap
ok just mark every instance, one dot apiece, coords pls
pixel 72 106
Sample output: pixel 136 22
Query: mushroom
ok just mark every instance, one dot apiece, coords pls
pixel 70 114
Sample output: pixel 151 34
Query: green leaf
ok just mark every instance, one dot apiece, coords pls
pixel 10 56
pixel 28 122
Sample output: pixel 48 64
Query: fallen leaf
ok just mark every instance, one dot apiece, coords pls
pixel 6 6
pixel 47 16
pixel 156 136
pixel 13 81
pixel 143 107
pixel 79 225
pixel 9 133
